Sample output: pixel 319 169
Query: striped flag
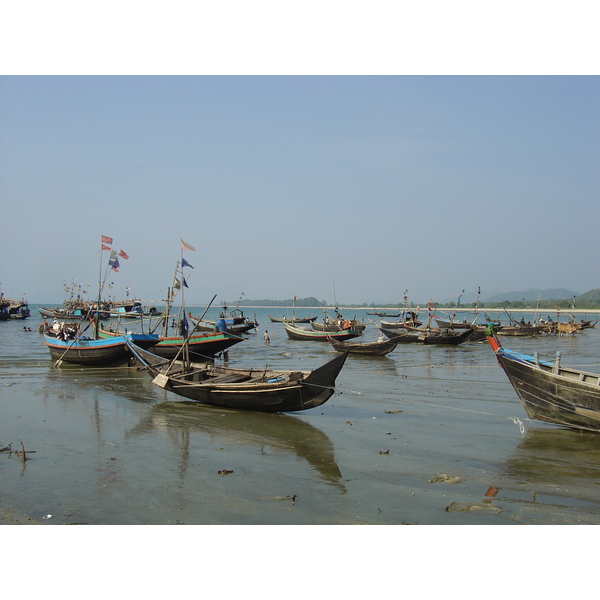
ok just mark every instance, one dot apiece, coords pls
pixel 107 240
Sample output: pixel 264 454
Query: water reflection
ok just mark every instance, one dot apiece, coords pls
pixel 558 457
pixel 277 430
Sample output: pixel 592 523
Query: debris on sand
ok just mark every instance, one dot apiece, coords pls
pixel 474 507
pixel 445 478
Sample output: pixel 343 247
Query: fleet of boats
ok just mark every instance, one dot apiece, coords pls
pixel 179 350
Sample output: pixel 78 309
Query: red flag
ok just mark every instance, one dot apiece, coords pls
pixel 104 247
pixel 123 254
pixel 107 240
pixel 115 270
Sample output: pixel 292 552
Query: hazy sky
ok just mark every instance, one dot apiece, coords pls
pixel 296 185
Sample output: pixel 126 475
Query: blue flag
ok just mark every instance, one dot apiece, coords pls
pixel 185 263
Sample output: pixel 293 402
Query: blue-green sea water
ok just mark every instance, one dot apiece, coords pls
pixel 404 437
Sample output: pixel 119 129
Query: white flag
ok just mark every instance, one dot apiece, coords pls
pixel 185 246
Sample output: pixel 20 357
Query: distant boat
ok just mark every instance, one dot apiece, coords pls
pixel 292 320
pixel 302 333
pixel 550 392
pixel 13 309
pixel 71 311
pixel 447 337
pixel 407 318
pixel 381 347
pixel 264 390
pixel 339 323
pixel 236 324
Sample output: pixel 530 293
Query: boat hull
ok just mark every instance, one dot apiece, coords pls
pixel 299 333
pixel 101 352
pixel 440 338
pixel 370 348
pixel 202 346
pixel 246 390
pixel 550 393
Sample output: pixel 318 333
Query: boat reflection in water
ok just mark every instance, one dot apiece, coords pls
pixel 556 457
pixel 258 430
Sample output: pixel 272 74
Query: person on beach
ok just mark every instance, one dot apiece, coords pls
pixel 267 338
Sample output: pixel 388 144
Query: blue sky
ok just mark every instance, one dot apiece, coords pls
pixel 293 185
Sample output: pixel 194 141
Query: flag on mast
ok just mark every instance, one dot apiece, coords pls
pixel 186 246
pixel 123 254
pixel 107 240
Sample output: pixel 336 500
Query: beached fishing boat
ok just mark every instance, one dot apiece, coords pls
pixel 302 333
pixel 550 392
pixel 73 311
pixel 381 347
pixel 236 325
pixel 292 320
pixel 264 390
pixel 447 337
pixel 82 345
pixel 452 324
pixel 521 330
pixel 407 318
pixel 202 346
pixel 68 343
pixel 332 325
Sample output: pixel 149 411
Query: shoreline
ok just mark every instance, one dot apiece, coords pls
pixel 423 309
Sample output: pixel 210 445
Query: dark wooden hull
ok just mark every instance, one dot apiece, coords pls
pixel 452 324
pixel 378 348
pixel 298 320
pixel 524 330
pixel 445 338
pixel 551 393
pixel 400 324
pixel 299 333
pixel 257 390
pixel 336 326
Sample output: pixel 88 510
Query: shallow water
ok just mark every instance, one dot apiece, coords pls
pixel 106 446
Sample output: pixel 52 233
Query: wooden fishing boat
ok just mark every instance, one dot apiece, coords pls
pixel 332 325
pixel 262 390
pixel 447 337
pixel 521 330
pixel 550 392
pixel 292 320
pixel 202 346
pixel 302 333
pixel 129 309
pixel 407 319
pixel 233 326
pixel 445 324
pixel 68 344
pixel 384 314
pixel 72 312
pixel 381 347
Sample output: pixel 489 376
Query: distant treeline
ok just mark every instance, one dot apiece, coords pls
pixel 309 302
pixel 589 300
